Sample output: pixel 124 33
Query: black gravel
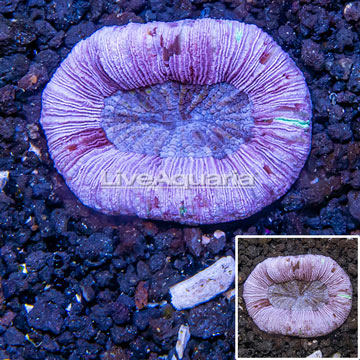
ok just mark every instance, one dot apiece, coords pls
pixel 83 269
pixel 256 343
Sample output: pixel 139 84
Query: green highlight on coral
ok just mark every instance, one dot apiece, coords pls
pixel 238 35
pixel 345 296
pixel 296 122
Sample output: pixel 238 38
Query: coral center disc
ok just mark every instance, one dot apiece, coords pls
pixel 179 120
pixel 298 295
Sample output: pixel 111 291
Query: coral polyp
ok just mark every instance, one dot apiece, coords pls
pixel 195 121
pixel 305 295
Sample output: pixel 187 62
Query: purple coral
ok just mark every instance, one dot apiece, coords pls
pixel 305 296
pixel 214 101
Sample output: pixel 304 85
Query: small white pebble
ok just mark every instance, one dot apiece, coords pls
pixel 4 177
pixel 205 240
pixel 316 354
pixel 218 234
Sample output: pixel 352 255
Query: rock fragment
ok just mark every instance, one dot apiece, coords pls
pixel 341 68
pixel 141 294
pixel 352 11
pixel 46 317
pixel 312 55
pixel 354 204
pixel 35 78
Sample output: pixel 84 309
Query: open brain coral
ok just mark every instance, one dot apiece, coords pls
pixel 212 114
pixel 305 295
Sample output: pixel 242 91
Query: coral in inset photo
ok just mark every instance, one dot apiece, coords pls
pixel 305 295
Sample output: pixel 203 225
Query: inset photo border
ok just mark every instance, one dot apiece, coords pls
pixel 265 326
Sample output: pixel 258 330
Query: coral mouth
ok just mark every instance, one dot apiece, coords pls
pixel 299 295
pixel 179 120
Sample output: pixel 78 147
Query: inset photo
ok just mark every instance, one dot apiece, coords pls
pixel 297 296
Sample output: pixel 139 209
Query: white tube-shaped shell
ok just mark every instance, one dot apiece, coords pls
pixel 205 285
pixel 183 338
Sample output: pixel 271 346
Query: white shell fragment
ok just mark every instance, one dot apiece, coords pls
pixel 316 354
pixel 28 307
pixel 4 177
pixel 205 285
pixel 183 338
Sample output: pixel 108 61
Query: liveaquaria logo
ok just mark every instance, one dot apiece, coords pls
pixel 185 181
